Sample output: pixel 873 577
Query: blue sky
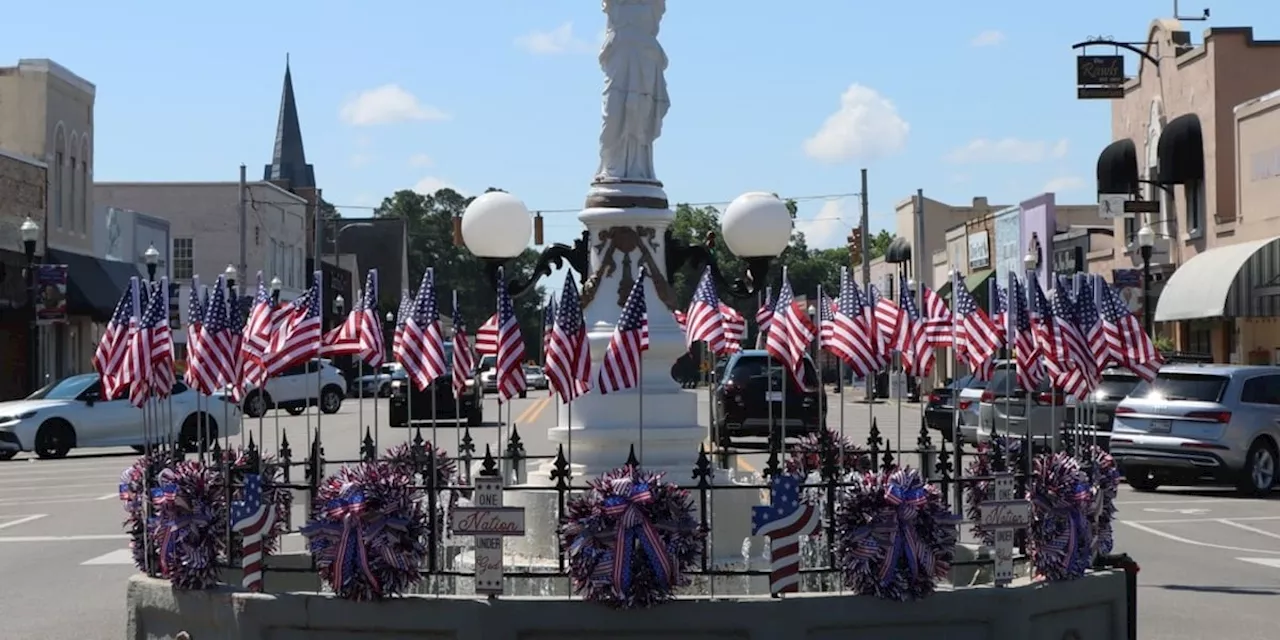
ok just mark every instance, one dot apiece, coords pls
pixel 961 100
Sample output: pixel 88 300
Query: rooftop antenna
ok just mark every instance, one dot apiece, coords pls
pixel 1200 18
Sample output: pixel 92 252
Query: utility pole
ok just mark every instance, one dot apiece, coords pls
pixel 243 266
pixel 865 250
pixel 319 254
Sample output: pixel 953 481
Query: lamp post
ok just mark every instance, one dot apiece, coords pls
pixel 1146 242
pixel 339 304
pixel 275 291
pixel 389 331
pixel 30 232
pixel 152 259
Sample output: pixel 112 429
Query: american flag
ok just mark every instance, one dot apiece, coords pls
pixel 703 322
pixel 1045 328
pixel 360 335
pixel 402 312
pixel 784 521
pixel 735 328
pixel 912 339
pixel 219 358
pixel 509 363
pixel 421 348
pixel 1090 323
pixel 109 359
pixel 195 317
pixel 681 321
pixel 826 319
pixel 256 339
pixel 252 519
pixel 1026 352
pixel 463 360
pixel 977 338
pixel 764 316
pixel 548 323
pixel 568 365
pixel 999 300
pixel 1137 351
pixel 621 366
pixel 1072 348
pixel 937 317
pixel 487 337
pixel 887 314
pixel 297 339
pixel 151 349
pixel 790 332
pixel 850 335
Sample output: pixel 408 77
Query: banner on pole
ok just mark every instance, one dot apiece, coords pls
pixel 51 293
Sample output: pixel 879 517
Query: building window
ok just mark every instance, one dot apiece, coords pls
pixel 1131 229
pixel 183 261
pixel 1200 336
pixel 84 195
pixel 303 283
pixel 1196 206
pixel 58 175
pixel 73 215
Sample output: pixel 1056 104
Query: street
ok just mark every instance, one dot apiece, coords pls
pixel 1210 561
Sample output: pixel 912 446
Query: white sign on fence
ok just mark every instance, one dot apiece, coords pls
pixel 489 522
pixel 1003 515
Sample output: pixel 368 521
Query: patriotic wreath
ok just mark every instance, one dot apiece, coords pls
pixel 1060 540
pixel 895 536
pixel 135 493
pixel 1105 477
pixel 979 491
pixel 190 523
pixel 367 530
pixel 241 461
pixel 806 456
pixel 631 540
pixel 405 458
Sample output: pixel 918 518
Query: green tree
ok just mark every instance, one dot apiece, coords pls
pixel 880 243
pixel 430 227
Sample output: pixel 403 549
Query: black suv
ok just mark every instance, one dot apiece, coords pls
pixel 750 396
pixel 469 407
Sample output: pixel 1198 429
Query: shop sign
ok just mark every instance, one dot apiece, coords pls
pixel 1100 77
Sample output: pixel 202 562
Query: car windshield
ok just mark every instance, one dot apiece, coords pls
pixel 1115 386
pixel 65 389
pixel 1170 385
pixel 1005 382
pixel 533 371
pixel 749 367
pixel 487 362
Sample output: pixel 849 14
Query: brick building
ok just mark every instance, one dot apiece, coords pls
pixel 23 182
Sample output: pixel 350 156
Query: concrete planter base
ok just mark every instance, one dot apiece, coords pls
pixel 1093 607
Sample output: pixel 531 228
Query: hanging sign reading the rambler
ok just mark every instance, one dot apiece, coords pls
pixel 1100 77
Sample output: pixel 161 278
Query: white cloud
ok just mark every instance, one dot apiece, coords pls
pixel 431 184
pixel 865 127
pixel 1007 150
pixel 387 104
pixel 420 160
pixel 988 38
pixel 827 228
pixel 555 41
pixel 1064 184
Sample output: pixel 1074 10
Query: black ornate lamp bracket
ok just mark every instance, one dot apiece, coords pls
pixel 553 257
pixel 681 254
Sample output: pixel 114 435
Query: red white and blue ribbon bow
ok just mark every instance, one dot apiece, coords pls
pixel 352 531
pixel 633 527
pixel 174 530
pixel 903 543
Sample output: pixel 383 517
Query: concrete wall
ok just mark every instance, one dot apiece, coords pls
pixel 1093 607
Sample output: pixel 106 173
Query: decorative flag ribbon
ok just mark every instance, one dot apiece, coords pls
pixel 899 524
pixel 175 530
pixel 632 526
pixel 349 530
pixel 1072 528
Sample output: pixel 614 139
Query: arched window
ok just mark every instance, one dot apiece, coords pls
pixel 56 189
pixel 73 180
pixel 85 183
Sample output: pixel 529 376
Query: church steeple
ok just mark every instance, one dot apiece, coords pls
pixel 289 160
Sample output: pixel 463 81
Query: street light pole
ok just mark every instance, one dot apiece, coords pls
pixel 152 258
pixel 1146 242
pixel 30 232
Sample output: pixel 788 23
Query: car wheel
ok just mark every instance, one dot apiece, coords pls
pixel 1142 482
pixel 475 417
pixel 524 394
pixel 1259 473
pixel 330 400
pixel 722 438
pixel 190 438
pixel 7 454
pixel 256 404
pixel 295 409
pixel 55 438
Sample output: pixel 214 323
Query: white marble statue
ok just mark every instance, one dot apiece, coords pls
pixel 635 89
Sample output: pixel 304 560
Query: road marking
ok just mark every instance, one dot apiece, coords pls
pixel 1185 512
pixel 119 556
pixel 38 499
pixel 50 484
pixel 1274 563
pixel 1224 498
pixel 85 538
pixel 109 496
pixel 22 520
pixel 1195 543
pixel 531 413
pixel 1245 527
pixel 1194 520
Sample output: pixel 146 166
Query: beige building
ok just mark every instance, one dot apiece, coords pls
pixel 204 227
pixel 1179 139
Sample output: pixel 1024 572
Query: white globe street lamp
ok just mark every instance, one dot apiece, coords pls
pixel 756 225
pixel 496 225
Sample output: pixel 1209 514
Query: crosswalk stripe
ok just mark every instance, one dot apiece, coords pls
pixel 119 556
pixel 1273 563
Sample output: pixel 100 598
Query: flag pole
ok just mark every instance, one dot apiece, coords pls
pixel 457 398
pixel 956 440
pixel 895 356
pixel 1030 276
pixel 869 314
pixel 817 357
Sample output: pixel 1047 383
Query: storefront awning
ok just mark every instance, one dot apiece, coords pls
pixel 1181 151
pixel 976 283
pixel 1118 168
pixel 93 285
pixel 1221 282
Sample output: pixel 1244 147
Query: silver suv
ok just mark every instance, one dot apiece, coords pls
pixel 1008 409
pixel 1201 424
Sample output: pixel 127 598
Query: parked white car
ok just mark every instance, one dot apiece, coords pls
pixel 297 388
pixel 70 414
